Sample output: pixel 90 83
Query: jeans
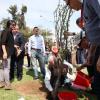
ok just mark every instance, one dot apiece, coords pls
pixel 37 55
pixel 4 72
pixel 80 56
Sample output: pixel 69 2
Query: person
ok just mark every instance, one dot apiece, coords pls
pixel 36 50
pixel 92 27
pixel 7 43
pixel 26 54
pixel 18 56
pixel 80 59
pixel 53 73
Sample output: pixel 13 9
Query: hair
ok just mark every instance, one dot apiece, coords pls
pixel 78 21
pixel 9 22
pixel 35 27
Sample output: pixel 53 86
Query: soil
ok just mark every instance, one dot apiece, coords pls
pixel 33 89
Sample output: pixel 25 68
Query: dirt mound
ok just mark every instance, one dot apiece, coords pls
pixel 31 88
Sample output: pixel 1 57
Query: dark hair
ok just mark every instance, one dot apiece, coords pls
pixel 35 27
pixel 9 22
pixel 78 20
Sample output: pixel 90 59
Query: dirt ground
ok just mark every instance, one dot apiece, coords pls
pixel 34 89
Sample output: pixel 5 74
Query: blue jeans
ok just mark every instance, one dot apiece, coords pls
pixel 80 56
pixel 37 55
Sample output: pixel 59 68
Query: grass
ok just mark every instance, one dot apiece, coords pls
pixel 28 76
pixel 13 94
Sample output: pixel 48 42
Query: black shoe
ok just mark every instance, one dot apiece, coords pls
pixel 35 78
pixel 11 79
pixel 19 78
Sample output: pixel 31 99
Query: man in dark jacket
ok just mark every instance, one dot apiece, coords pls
pixel 7 48
pixel 18 56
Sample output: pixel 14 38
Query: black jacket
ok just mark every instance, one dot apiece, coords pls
pixel 7 40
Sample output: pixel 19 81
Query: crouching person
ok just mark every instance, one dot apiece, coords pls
pixel 53 74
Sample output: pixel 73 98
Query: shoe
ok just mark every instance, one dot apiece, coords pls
pixel 19 78
pixel 35 78
pixel 11 79
pixel 8 87
pixel 2 84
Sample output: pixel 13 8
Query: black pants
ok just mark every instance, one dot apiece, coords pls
pixel 96 82
pixel 28 60
pixel 17 62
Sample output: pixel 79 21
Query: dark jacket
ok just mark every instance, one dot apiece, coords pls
pixel 7 40
pixel 19 41
pixel 91 12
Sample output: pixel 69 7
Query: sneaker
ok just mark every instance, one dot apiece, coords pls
pixel 2 84
pixel 8 87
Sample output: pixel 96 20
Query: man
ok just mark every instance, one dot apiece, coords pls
pixel 36 50
pixel 18 56
pixel 91 12
pixel 7 44
pixel 80 53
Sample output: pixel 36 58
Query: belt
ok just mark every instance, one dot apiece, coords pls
pixel 36 49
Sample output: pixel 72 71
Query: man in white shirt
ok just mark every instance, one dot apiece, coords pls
pixel 36 50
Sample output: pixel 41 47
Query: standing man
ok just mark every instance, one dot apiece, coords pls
pixel 18 56
pixel 91 12
pixel 7 48
pixel 36 50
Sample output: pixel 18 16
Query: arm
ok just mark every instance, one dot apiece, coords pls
pixel 29 47
pixel 3 40
pixel 4 52
pixel 96 5
pixel 22 42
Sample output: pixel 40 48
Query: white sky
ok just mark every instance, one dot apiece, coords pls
pixel 39 12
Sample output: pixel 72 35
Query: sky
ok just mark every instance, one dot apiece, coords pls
pixel 39 13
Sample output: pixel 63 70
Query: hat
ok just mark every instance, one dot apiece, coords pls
pixel 54 49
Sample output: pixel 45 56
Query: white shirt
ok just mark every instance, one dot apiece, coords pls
pixel 36 42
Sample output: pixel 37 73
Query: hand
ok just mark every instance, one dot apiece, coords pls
pixel 19 52
pixel 79 68
pixel 53 94
pixel 5 56
pixel 82 66
pixel 29 54
pixel 16 46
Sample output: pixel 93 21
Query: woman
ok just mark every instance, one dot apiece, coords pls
pixel 7 46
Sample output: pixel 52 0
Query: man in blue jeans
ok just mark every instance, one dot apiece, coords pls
pixel 36 51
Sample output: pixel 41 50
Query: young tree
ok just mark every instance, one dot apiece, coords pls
pixel 13 11
pixel 62 17
pixel 21 17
